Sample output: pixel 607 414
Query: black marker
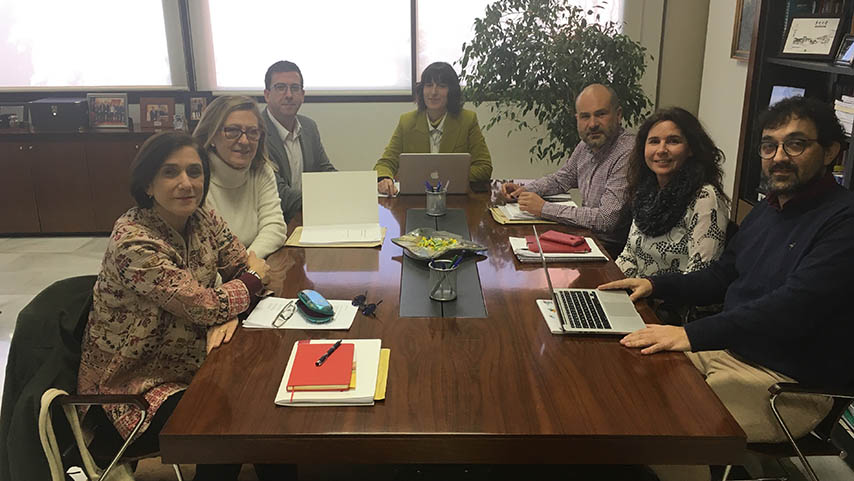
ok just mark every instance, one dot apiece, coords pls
pixel 323 358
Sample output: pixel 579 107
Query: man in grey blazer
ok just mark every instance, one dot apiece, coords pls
pixel 293 141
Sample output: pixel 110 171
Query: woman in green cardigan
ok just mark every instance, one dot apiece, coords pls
pixel 440 124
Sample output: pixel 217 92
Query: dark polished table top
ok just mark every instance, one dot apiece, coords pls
pixel 500 389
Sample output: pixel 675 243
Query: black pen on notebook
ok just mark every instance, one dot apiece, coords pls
pixel 323 358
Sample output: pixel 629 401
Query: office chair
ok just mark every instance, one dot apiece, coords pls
pixel 816 443
pixel 44 357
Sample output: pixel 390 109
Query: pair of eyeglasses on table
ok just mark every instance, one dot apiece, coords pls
pixel 285 314
pixel 366 309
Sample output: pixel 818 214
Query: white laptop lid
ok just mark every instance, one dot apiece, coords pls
pixel 415 169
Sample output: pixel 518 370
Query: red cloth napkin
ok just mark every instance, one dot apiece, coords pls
pixel 554 242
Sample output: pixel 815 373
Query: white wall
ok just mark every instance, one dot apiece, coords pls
pixel 722 92
pixel 355 134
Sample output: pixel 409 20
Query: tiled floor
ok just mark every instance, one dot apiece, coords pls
pixel 28 265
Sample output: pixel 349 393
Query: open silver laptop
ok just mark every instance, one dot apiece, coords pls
pixel 416 169
pixel 590 311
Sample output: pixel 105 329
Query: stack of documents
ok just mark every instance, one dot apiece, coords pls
pixel 520 249
pixel 268 309
pixel 371 367
pixel 513 212
pixel 340 208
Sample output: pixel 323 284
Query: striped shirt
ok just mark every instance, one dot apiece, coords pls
pixel 601 177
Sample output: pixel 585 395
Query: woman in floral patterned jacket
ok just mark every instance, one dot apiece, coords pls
pixel 158 309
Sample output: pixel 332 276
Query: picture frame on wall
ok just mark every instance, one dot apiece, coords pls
pixel 813 37
pixel 845 52
pixel 108 110
pixel 197 107
pixel 156 113
pixel 742 30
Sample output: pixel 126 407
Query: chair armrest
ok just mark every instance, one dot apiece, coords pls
pixel 137 400
pixel 797 388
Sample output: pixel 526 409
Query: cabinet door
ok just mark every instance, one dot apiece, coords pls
pixel 109 162
pixel 18 213
pixel 63 193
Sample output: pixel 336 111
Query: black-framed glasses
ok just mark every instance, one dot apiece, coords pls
pixel 282 88
pixel 285 314
pixel 792 147
pixel 233 132
pixel 366 309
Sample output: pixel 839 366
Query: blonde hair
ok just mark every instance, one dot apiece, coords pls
pixel 213 120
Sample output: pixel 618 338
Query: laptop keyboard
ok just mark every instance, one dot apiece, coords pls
pixel 583 310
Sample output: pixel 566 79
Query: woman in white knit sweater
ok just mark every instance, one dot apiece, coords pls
pixel 243 187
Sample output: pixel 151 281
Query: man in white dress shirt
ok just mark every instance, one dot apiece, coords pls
pixel 293 141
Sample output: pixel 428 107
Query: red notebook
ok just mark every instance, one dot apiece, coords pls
pixel 333 375
pixel 551 247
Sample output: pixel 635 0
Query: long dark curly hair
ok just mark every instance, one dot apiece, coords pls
pixel 701 168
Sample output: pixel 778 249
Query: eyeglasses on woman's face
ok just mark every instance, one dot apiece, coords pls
pixel 233 132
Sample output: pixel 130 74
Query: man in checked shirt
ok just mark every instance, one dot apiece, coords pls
pixel 597 167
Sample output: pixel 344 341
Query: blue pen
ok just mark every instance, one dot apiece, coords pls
pixel 456 262
pixel 439 187
pixel 429 186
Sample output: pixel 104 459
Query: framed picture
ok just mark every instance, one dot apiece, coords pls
pixel 742 29
pixel 845 53
pixel 813 37
pixel 156 113
pixel 197 106
pixel 108 111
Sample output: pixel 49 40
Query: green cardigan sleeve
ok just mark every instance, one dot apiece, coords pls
pixel 481 161
pixel 388 163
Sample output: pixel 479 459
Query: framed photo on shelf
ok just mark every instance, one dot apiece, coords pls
pixel 845 53
pixel 156 113
pixel 197 106
pixel 108 111
pixel 742 30
pixel 813 37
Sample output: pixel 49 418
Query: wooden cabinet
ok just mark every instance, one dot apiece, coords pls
pixel 63 192
pixel 65 183
pixel 18 211
pixel 109 162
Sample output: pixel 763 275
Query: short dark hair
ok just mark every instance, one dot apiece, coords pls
pixel 820 113
pixel 441 72
pixel 279 67
pixel 704 165
pixel 151 156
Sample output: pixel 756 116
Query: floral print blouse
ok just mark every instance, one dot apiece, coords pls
pixel 691 245
pixel 154 299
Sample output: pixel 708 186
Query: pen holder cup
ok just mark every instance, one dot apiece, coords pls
pixel 443 280
pixel 437 203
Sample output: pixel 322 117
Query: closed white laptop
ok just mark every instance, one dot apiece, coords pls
pixel 415 169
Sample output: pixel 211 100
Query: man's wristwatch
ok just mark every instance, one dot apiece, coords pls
pixel 250 271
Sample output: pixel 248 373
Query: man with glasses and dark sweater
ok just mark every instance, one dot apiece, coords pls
pixel 783 279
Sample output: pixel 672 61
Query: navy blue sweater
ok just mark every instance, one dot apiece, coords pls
pixel 785 280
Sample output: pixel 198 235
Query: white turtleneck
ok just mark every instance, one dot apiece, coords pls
pixel 248 200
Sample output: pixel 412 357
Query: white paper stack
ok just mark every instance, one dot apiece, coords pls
pixel 513 212
pixel 267 309
pixel 340 208
pixel 845 112
pixel 367 359
pixel 520 249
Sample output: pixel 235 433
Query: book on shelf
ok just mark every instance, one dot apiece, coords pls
pixel 843 106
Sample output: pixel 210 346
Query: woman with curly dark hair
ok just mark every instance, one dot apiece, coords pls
pixel 679 210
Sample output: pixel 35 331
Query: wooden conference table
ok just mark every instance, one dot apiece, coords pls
pixel 500 389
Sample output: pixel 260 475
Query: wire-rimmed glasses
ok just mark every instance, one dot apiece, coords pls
pixel 285 314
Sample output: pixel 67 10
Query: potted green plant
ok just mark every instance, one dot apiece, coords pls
pixel 535 56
